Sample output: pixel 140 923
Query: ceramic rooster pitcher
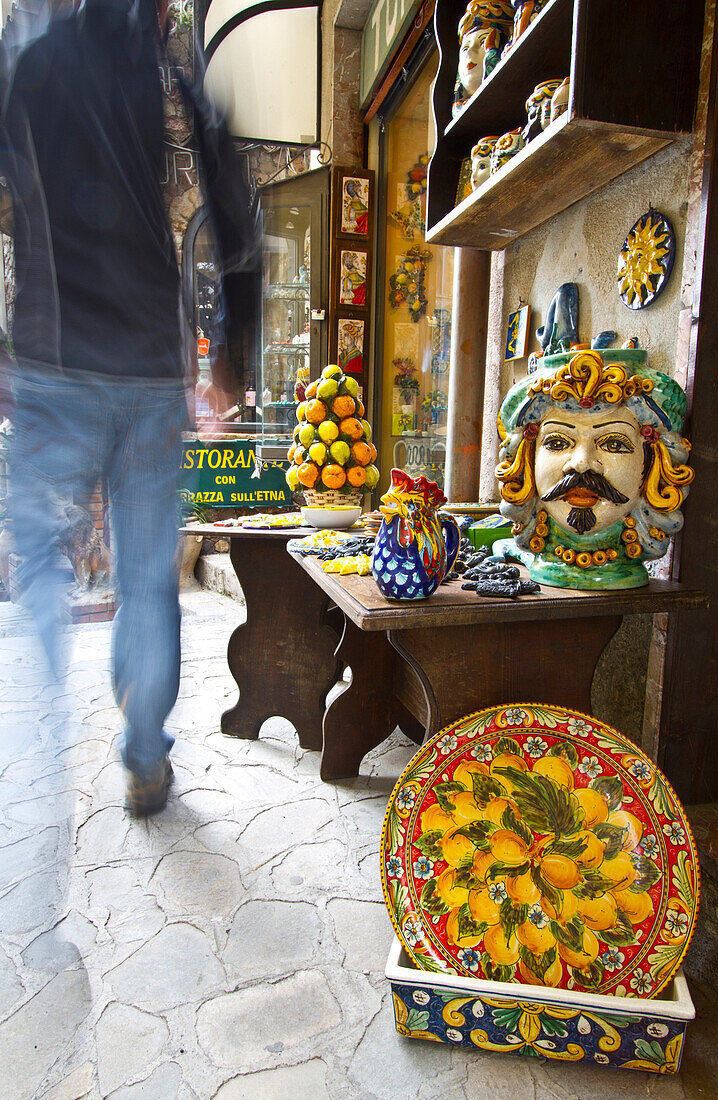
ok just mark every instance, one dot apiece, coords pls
pixel 415 547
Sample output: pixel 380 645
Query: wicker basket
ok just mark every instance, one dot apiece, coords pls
pixel 332 498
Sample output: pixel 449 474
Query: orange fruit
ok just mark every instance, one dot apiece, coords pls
pixel 362 452
pixel 299 454
pixel 311 391
pixel 536 939
pixel 560 871
pixel 450 894
pixel 343 405
pixel 598 913
pixel 503 952
pixel 290 452
pixel 308 474
pixel 351 426
pixel 508 760
pixel 482 907
pixel 356 476
pixel 521 889
pixel 633 828
pixel 593 805
pixel 556 768
pixel 360 410
pixel 619 870
pixel 636 906
pixel 587 954
pixel 316 412
pixel 333 476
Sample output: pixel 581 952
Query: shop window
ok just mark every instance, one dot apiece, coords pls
pixel 417 291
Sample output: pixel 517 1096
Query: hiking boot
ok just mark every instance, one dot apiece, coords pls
pixel 147 794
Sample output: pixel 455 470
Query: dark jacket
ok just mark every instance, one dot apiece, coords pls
pixel 97 284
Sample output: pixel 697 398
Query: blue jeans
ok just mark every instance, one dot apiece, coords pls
pixel 68 433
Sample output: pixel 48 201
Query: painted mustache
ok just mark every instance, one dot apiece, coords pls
pixel 582 491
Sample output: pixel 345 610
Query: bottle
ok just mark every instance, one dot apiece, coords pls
pixel 201 402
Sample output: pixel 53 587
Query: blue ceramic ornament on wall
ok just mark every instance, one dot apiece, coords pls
pixel 415 547
pixel 646 260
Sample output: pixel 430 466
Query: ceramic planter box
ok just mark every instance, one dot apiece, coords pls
pixel 534 1020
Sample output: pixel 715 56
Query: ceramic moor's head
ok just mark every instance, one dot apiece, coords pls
pixel 592 468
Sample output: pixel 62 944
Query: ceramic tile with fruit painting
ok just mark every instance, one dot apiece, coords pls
pixel 534 844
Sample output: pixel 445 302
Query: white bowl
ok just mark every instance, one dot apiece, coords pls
pixel 333 519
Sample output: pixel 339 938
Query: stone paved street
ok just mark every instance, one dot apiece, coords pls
pixel 234 946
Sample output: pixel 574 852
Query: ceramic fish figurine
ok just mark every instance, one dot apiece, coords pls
pixel 415 547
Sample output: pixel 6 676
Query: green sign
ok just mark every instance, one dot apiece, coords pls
pixel 386 25
pixel 228 474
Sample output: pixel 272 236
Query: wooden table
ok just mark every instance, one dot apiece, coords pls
pixel 429 662
pixel 283 657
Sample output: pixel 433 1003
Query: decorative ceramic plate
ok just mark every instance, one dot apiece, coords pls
pixel 533 844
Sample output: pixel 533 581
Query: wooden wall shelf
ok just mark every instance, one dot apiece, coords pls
pixel 634 78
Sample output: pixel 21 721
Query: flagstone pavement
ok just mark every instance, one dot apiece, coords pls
pixel 234 946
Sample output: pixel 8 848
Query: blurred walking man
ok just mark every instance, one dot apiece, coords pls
pixel 99 386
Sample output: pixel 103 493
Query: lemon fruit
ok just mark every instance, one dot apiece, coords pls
pixel 466 770
pixel 598 913
pixel 372 477
pixel 455 847
pixel 366 428
pixel 327 389
pixel 619 870
pixel 328 431
pixel 636 906
pixel 292 476
pixel 435 818
pixel 449 893
pixel 587 953
pixel 332 371
pixel 560 871
pixel 633 829
pixel 594 850
pixel 306 434
pixel 452 932
pixel 522 890
pixel 482 906
pixel 556 768
pixel 537 940
pixel 507 847
pixel 593 805
pixel 502 951
pixel 318 453
pixel 350 386
pixel 340 452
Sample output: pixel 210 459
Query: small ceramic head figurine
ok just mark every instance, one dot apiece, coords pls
pixel 506 147
pixel 538 107
pixel 559 100
pixel 483 30
pixel 481 160
pixel 525 11
pixel 592 468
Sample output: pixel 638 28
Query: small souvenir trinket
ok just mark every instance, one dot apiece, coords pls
pixel 538 108
pixel 484 29
pixel 481 160
pixel 505 148
pixel 646 260
pixel 593 468
pixel 415 547
pixel 559 101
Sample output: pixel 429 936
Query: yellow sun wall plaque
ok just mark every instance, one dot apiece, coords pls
pixel 646 260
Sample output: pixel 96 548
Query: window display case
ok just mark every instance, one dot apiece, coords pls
pixel 295 227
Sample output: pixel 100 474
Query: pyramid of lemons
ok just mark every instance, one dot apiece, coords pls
pixel 332 447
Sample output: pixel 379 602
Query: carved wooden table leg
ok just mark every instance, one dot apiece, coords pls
pixel 456 670
pixel 363 715
pixel 282 658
